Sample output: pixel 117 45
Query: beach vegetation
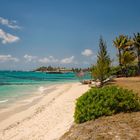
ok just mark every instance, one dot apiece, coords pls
pixel 127 61
pixel 115 70
pixel 136 42
pixel 105 101
pixel 101 70
pixel 124 45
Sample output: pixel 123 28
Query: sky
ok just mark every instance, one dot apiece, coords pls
pixel 36 33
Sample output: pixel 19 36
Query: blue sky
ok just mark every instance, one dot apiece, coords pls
pixel 34 33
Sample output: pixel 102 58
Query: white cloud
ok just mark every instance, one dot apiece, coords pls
pixel 8 23
pixel 87 52
pixel 30 58
pixel 44 60
pixel 67 60
pixel 8 38
pixel 49 59
pixel 5 58
pixel 52 59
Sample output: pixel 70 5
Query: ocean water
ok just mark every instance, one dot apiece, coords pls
pixel 17 84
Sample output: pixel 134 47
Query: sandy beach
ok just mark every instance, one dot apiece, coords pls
pixel 46 119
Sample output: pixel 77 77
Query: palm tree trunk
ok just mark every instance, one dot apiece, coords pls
pixel 138 61
pixel 120 57
pixel 120 61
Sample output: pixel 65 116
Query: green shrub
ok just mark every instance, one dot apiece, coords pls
pixel 132 71
pixel 115 70
pixel 105 101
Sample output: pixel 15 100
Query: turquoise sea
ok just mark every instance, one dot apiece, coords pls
pixel 17 84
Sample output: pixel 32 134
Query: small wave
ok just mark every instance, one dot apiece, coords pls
pixel 3 101
pixel 41 89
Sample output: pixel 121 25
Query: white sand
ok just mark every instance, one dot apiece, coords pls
pixel 48 119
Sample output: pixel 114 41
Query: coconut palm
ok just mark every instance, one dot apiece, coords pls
pixel 122 43
pixel 128 58
pixel 136 42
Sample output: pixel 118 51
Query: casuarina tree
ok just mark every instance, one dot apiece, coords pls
pixel 102 67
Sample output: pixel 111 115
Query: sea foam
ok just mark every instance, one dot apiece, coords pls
pixel 3 101
pixel 41 89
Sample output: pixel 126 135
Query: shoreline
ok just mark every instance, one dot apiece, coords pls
pixel 23 103
pixel 47 118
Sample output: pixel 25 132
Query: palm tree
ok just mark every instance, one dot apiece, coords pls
pixel 136 42
pixel 128 58
pixel 122 43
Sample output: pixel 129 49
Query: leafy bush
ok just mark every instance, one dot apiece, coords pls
pixel 124 71
pixel 115 70
pixel 132 71
pixel 105 101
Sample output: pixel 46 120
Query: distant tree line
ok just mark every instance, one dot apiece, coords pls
pixel 51 68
